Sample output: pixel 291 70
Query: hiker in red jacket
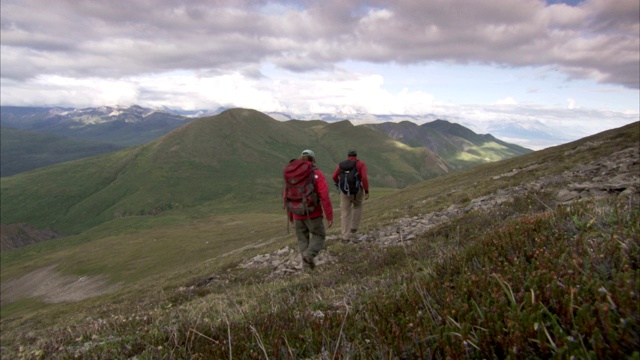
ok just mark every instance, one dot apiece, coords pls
pixel 310 227
pixel 352 193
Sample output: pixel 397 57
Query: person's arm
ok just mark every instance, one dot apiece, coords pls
pixel 362 170
pixel 336 175
pixel 325 199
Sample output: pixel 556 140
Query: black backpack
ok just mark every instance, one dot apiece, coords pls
pixel 348 178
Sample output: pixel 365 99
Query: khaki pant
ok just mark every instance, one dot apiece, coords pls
pixel 350 213
pixel 311 235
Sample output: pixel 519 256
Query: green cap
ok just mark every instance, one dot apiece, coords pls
pixel 309 152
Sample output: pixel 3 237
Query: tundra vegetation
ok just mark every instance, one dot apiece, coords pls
pixel 541 275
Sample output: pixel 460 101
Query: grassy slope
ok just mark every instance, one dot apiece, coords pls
pixel 389 163
pixel 428 300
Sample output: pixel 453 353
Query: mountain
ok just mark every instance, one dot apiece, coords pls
pixel 134 125
pixel 119 125
pixel 356 118
pixel 230 159
pixel 23 150
pixel 533 134
pixel 460 147
pixel 532 257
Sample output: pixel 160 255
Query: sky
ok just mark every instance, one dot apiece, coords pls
pixel 570 66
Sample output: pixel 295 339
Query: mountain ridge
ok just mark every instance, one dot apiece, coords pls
pixel 123 127
pixel 457 145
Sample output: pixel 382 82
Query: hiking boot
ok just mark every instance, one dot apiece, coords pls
pixel 345 241
pixel 309 261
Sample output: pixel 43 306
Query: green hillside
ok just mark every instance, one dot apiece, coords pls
pixel 229 160
pixel 23 150
pixel 460 147
pixel 531 277
pixel 390 163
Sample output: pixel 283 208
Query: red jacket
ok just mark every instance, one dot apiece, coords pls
pixel 325 201
pixel 362 170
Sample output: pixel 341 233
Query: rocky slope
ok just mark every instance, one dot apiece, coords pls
pixel 13 236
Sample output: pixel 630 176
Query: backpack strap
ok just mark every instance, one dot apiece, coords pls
pixel 313 176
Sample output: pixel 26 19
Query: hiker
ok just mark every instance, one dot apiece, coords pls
pixel 307 215
pixel 350 177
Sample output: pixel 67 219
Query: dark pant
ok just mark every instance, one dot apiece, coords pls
pixel 311 235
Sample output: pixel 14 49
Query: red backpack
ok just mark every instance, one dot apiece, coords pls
pixel 300 194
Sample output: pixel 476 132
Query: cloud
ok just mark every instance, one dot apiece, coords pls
pixel 53 90
pixel 507 101
pixel 597 39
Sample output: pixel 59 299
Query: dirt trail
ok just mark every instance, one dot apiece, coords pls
pixel 52 287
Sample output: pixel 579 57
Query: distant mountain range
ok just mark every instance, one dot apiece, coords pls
pixel 31 131
pixel 533 134
pixel 536 133
pixel 34 137
pixel 124 126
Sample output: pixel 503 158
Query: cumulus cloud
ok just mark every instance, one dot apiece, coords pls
pixel 597 39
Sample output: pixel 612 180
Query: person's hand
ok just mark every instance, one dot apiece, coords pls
pixel 329 223
pixel 366 196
